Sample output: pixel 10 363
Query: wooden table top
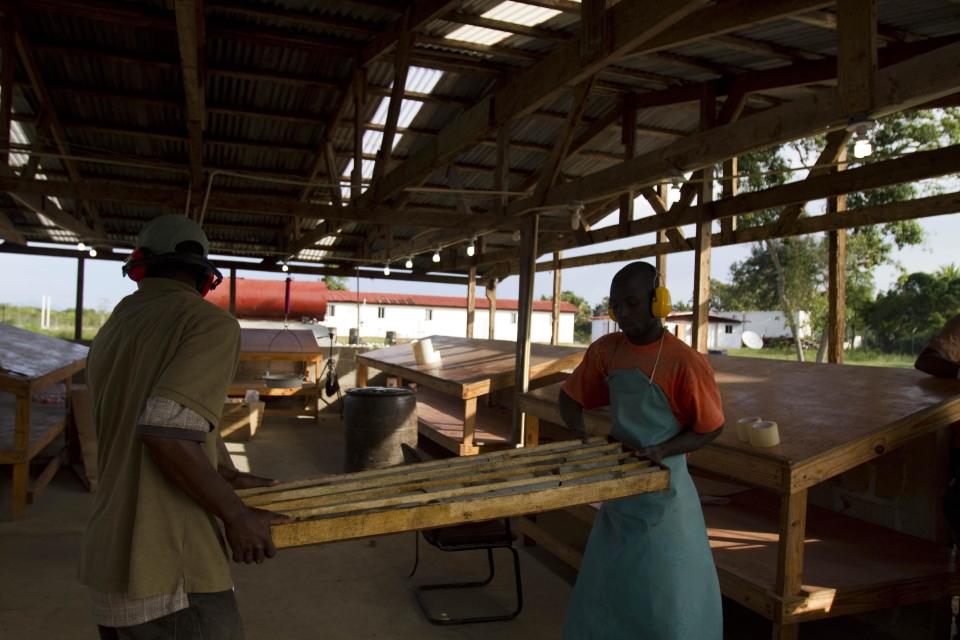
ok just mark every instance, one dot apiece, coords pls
pixel 821 409
pixel 471 367
pixel 278 342
pixel 28 358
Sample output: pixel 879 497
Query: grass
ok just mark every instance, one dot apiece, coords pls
pixel 856 356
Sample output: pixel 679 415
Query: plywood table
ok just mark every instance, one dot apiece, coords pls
pixel 279 345
pixel 447 393
pixel 29 364
pixel 832 418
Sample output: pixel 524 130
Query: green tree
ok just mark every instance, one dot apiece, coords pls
pixel 912 311
pixel 335 283
pixel 581 322
pixel 794 268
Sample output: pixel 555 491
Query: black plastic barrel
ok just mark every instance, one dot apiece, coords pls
pixel 378 420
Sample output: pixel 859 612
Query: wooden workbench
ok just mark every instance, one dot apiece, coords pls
pixel 29 364
pixel 832 418
pixel 279 345
pixel 469 369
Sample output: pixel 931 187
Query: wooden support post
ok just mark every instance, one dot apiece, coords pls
pixel 233 290
pixel 532 433
pixel 528 271
pixel 703 241
pixel 628 135
pixel 555 308
pixel 501 172
pixel 78 314
pixel 21 470
pixel 837 277
pixel 468 445
pixel 731 185
pixel 663 191
pixel 491 293
pixel 6 85
pixel 356 184
pixel 793 525
pixel 856 54
pixel 361 374
pixel 471 299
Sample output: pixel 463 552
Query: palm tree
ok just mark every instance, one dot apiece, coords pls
pixel 949 272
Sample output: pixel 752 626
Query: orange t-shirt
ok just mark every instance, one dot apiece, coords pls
pixel 684 376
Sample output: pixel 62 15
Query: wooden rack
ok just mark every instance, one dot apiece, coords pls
pixel 454 491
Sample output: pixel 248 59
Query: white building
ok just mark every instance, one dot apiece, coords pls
pixel 773 324
pixel 417 316
pixel 723 332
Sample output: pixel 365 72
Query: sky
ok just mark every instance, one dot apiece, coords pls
pixel 25 279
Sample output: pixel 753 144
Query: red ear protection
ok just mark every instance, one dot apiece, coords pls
pixel 135 266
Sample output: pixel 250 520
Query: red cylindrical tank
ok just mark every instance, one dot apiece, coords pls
pixel 264 298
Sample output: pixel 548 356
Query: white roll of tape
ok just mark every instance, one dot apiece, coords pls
pixel 743 427
pixel 764 434
pixel 423 350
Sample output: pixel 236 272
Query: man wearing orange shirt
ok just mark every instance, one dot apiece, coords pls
pixel 647 571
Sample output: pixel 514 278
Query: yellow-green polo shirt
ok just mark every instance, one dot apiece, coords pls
pixel 145 535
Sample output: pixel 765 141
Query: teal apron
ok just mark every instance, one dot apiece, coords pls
pixel 647 572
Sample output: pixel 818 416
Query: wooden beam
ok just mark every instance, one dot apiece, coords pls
pixel 663 196
pixel 899 87
pixel 78 306
pixel 528 272
pixel 490 291
pixel 551 168
pixel 835 146
pixel 916 166
pixel 539 33
pixel 699 331
pixel 856 54
pixel 501 171
pixel 59 136
pixel 632 21
pixel 8 232
pixel 401 66
pixel 628 136
pixel 190 40
pixel 471 300
pixel 359 99
pixel 731 185
pixel 6 85
pixel 555 307
pixel 828 20
pixel 836 277
pixel 931 206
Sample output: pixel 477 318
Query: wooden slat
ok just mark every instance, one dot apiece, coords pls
pixel 506 499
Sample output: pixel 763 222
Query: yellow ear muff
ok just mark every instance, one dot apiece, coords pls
pixel 610 313
pixel 661 306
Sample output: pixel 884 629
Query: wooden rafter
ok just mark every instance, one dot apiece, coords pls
pixel 401 67
pixel 190 40
pixel 63 219
pixel 901 86
pixel 836 145
pixel 632 21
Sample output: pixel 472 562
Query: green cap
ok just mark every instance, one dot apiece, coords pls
pixel 164 233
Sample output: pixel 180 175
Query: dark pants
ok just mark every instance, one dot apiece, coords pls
pixel 210 616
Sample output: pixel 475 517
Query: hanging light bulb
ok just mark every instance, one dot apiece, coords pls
pixel 284 267
pixel 472 247
pixel 93 253
pixel 81 246
pixel 862 148
pixel 436 255
pixel 575 219
pixel 409 263
pixel 386 269
pixel 516 235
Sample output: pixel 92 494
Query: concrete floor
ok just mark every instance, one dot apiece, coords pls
pixel 356 589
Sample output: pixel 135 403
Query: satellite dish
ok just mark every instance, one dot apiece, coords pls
pixel 751 340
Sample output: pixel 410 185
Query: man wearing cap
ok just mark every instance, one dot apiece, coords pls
pixel 153 553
